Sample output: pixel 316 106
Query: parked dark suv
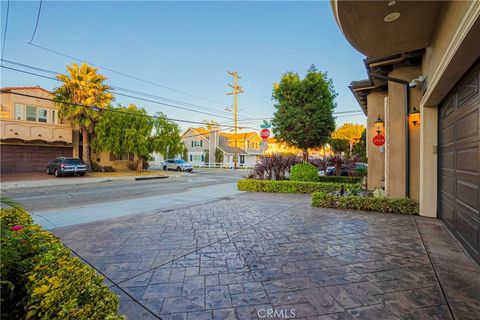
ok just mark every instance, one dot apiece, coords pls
pixel 66 166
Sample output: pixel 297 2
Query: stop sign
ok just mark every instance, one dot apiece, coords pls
pixel 264 134
pixel 379 140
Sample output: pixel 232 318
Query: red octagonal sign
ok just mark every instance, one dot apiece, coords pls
pixel 264 134
pixel 379 140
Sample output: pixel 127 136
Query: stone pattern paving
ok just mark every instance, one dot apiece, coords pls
pixel 244 256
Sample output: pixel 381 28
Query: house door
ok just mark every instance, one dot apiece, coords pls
pixel 459 162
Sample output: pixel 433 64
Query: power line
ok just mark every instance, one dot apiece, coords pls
pixel 114 38
pixel 36 23
pixel 5 30
pixel 124 74
pixel 121 89
pixel 125 95
pixel 101 109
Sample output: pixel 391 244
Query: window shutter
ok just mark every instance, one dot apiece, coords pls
pixel 192 143
pixel 201 143
pixel 191 155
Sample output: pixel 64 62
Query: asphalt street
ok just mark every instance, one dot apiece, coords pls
pixel 54 197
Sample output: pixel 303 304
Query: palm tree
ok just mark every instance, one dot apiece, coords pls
pixel 82 86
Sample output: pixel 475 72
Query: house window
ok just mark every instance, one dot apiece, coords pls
pixel 197 157
pixel 125 156
pixel 19 111
pixel 42 115
pixel 242 159
pixel 31 113
pixel 197 143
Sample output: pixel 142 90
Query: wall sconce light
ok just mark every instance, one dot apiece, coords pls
pixel 414 116
pixel 379 124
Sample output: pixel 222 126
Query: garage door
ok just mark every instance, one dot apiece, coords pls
pixel 459 162
pixel 18 159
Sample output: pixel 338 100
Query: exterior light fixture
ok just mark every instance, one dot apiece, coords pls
pixel 391 3
pixel 379 125
pixel 414 116
pixel 391 17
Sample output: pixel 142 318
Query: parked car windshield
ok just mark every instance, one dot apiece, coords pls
pixel 72 161
pixel 180 161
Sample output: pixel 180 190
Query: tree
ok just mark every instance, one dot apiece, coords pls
pixel 304 107
pixel 185 153
pixel 349 131
pixel 360 148
pixel 339 145
pixel 218 156
pixel 210 124
pixel 82 86
pixel 206 152
pixel 131 130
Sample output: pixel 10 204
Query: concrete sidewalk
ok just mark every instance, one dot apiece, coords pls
pixel 94 212
pixel 65 181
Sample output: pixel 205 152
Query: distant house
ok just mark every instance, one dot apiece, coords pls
pixel 274 146
pixel 202 144
pixel 32 133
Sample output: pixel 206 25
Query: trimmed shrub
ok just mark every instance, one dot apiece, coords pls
pixel 285 186
pixel 340 179
pixel 304 172
pixel 401 206
pixel 273 167
pixel 14 216
pixel 41 280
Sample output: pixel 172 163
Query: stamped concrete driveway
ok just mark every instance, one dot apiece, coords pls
pixel 270 256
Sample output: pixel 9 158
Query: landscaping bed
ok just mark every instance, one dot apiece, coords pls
pixel 286 186
pixel 401 206
pixel 40 279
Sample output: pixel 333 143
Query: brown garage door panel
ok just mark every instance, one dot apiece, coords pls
pixel 459 162
pixel 18 159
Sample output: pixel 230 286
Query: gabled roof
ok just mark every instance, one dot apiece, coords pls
pixel 231 150
pixel 198 131
pixel 240 136
pixel 26 88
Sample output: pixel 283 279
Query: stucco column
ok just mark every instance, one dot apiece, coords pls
pixel 376 156
pixel 398 119
pixel 428 161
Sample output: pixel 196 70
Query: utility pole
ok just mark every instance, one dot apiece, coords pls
pixel 236 90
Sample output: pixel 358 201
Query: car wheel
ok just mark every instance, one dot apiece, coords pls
pixel 57 174
pixel 48 171
pixel 179 169
pixel 165 168
pixel 82 174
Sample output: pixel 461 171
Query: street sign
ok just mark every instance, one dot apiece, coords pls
pixel 379 140
pixel 265 125
pixel 265 133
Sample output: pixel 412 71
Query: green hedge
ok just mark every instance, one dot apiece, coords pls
pixel 304 172
pixel 286 186
pixel 340 179
pixel 402 206
pixel 40 279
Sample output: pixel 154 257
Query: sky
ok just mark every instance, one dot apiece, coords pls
pixel 182 51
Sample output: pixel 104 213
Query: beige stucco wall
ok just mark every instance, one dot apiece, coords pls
pixel 376 158
pixel 120 165
pixel 428 161
pixel 32 131
pixel 397 119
